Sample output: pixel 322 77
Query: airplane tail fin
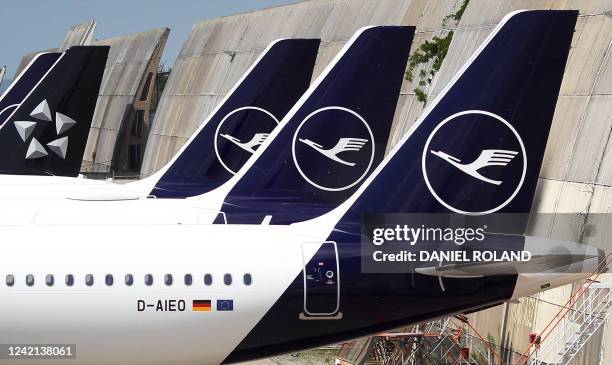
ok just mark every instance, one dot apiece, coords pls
pixel 25 82
pixel 241 122
pixel 478 147
pixel 47 132
pixel 333 137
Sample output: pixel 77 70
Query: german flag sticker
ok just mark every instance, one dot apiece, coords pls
pixel 202 306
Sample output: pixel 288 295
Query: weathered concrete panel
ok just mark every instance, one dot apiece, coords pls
pixel 131 59
pixel 604 83
pixel 591 159
pixel 563 134
pixel 80 34
pixel 590 44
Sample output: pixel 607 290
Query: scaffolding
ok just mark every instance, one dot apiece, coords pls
pixel 575 329
pixel 454 340
pixel 575 323
pixel 447 341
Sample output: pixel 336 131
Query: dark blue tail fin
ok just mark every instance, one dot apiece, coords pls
pixel 46 134
pixel 479 146
pixel 333 137
pixel 25 83
pixel 242 121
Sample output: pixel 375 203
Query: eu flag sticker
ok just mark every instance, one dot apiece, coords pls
pixel 224 305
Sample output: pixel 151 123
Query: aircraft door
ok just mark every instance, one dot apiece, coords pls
pixel 321 277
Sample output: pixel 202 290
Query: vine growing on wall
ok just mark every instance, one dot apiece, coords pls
pixel 436 50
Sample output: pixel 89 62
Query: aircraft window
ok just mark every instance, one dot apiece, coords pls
pixel 49 280
pixel 149 279
pixel 10 280
pixel 247 279
pixel 30 280
pixel 168 279
pixel 188 279
pixel 227 279
pixel 208 279
pixel 89 280
pixel 109 279
pixel 69 280
pixel 129 280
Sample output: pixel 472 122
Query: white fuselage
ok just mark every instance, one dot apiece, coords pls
pixel 49 200
pixel 104 321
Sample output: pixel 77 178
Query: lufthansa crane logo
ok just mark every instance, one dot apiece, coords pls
pixel 487 158
pixel 474 162
pixel 333 148
pixel 249 146
pixel 240 133
pixel 343 145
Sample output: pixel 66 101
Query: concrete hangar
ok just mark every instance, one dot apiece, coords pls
pixel 136 131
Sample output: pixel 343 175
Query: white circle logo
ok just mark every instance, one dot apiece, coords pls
pixel 474 180
pixel 241 139
pixel 336 157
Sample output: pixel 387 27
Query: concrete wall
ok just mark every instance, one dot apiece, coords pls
pixel 205 71
pixel 77 35
pixel 131 60
pixel 80 34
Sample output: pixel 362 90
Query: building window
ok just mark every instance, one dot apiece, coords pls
pixel 30 280
pixel 168 279
pixel 145 90
pixel 135 156
pixel 89 280
pixel 227 279
pixel 247 279
pixel 138 123
pixel 49 280
pixel 69 280
pixel 188 279
pixel 148 280
pixel 108 280
pixel 208 279
pixel 129 280
pixel 10 280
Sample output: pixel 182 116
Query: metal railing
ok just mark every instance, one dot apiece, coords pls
pixel 574 330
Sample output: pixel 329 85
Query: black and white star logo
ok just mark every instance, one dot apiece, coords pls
pixel 42 114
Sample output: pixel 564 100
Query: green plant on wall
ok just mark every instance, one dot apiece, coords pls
pixel 435 50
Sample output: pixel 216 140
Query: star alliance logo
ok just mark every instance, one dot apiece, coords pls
pixel 42 113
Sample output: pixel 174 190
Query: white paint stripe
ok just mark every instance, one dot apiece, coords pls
pixel 34 88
